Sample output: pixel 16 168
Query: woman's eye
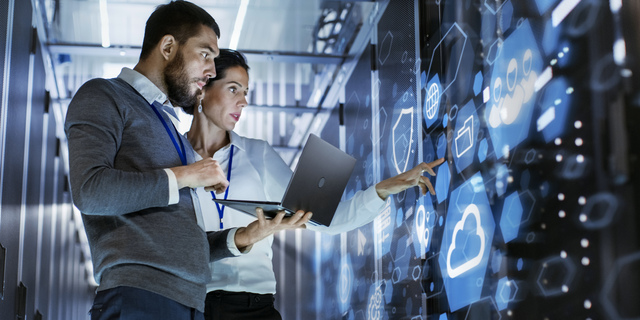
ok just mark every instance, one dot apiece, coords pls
pixel 233 90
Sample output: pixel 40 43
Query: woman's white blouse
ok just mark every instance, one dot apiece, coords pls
pixel 259 173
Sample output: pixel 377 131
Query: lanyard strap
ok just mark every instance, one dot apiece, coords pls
pixel 226 193
pixel 180 149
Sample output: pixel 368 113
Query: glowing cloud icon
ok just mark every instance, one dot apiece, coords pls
pixel 464 268
pixel 472 209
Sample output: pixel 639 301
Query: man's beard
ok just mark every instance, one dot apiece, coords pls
pixel 178 83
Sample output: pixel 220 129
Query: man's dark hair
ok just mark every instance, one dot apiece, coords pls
pixel 181 19
pixel 226 59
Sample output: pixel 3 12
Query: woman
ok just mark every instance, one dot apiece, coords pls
pixel 242 287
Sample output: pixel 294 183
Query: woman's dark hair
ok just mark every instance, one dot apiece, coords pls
pixel 227 58
pixel 181 19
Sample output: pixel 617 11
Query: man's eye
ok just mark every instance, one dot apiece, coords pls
pixel 205 55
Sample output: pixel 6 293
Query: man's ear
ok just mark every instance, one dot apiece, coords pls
pixel 168 46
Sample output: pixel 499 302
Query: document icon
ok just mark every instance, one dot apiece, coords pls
pixel 464 138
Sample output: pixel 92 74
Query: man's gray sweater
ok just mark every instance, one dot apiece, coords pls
pixel 118 149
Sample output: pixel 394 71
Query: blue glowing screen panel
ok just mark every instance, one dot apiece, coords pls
pixel 532 218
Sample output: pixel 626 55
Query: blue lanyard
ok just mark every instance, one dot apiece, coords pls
pixel 180 149
pixel 226 193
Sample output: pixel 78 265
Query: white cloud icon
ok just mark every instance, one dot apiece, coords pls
pixel 454 272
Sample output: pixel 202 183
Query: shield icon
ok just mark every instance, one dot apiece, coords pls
pixel 402 137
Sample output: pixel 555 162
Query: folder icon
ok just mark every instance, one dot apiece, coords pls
pixel 464 138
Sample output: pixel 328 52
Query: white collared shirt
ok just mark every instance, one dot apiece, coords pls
pixel 259 173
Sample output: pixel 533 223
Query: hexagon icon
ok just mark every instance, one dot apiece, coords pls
pixel 494 51
pixel 385 48
pixel 615 284
pixel 506 15
pixel 443 177
pixel 511 216
pixel 506 292
pixel 441 145
pixel 466 242
pixel 496 261
pixel 512 85
pixel 555 105
pixel 455 39
pixel 467 126
pixel 401 137
pixel 470 212
pixel 483 147
pixel 556 274
pixel 424 220
pixel 477 83
pixel 433 92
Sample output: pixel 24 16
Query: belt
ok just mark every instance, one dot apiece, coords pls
pixel 241 298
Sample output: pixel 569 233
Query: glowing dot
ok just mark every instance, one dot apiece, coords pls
pixel 579 142
pixel 626 73
pixel 585 261
pixel 557 101
pixel 562 214
pixel 505 151
pixel 583 217
pixel 582 200
pixel 558 157
pixel 584 243
pixel 565 288
pixel 553 62
pixel 561 196
pixel 509 313
pixel 510 179
pixel 543 226
pixel 580 158
pixel 577 124
pixel 565 49
pixel 569 90
pixel 587 304
pixel 563 254
pixel 558 141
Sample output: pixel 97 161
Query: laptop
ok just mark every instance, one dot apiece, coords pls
pixel 316 185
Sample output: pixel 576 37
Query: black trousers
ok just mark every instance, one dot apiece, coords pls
pixel 127 303
pixel 224 305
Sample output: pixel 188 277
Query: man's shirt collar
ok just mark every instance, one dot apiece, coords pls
pixel 149 91
pixel 143 85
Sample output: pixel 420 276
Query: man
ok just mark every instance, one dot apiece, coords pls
pixel 131 175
